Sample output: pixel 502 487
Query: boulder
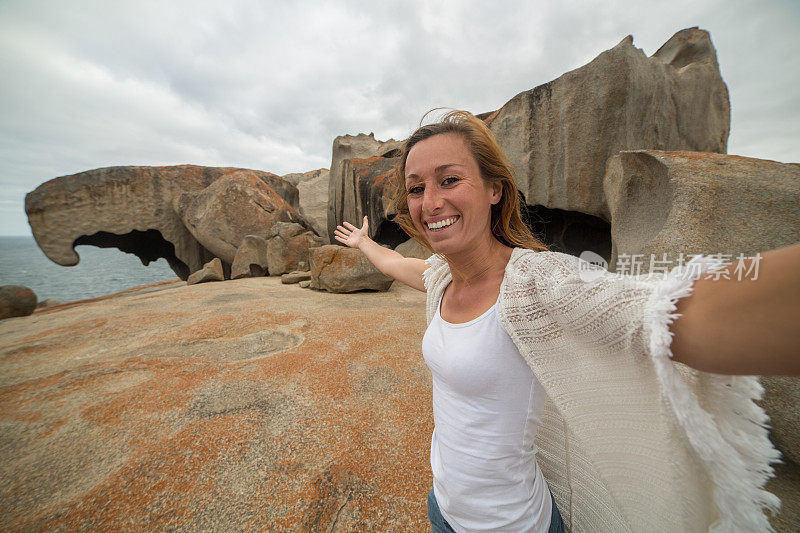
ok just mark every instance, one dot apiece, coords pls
pixel 295 277
pixel 16 300
pixel 235 205
pixel 346 201
pixel 664 204
pixel 370 186
pixel 339 269
pixel 313 189
pixel 412 248
pixel 558 136
pixel 305 284
pixel 289 248
pixel 251 258
pixel 129 208
pixel 700 203
pixel 211 271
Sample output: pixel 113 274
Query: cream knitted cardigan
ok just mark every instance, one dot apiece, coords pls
pixel 630 441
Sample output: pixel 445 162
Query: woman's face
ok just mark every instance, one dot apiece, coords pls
pixel 444 186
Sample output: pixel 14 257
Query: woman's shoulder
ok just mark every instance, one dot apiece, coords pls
pixel 543 264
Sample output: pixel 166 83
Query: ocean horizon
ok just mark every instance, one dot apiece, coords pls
pixel 100 270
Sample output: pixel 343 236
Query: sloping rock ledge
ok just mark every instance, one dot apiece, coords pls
pixel 227 406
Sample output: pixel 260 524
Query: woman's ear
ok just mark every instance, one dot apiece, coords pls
pixel 497 192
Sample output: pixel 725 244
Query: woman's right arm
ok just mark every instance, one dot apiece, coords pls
pixel 406 269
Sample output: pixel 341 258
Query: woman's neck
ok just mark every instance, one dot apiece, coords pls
pixel 480 263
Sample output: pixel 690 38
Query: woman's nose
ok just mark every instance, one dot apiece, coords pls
pixel 432 199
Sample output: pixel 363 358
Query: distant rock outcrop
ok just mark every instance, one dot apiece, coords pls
pixel 130 208
pixel 346 199
pixel 235 205
pixel 313 189
pixel 558 136
pixel 16 300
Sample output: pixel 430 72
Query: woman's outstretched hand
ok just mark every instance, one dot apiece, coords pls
pixel 351 235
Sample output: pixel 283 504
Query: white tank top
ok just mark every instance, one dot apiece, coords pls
pixel 487 405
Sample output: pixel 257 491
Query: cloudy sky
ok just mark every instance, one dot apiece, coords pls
pixel 269 84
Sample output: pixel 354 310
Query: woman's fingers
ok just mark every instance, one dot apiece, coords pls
pixel 349 225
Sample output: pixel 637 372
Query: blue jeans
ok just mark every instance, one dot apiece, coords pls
pixel 440 525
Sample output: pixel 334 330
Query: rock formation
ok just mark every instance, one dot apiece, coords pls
pixel 339 269
pixel 211 271
pixel 129 208
pixel 692 203
pixel 559 135
pixel 289 249
pixel 346 200
pixel 16 300
pixel 312 187
pixel 233 206
pixel 251 258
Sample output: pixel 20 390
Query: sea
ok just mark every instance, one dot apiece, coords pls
pixel 100 270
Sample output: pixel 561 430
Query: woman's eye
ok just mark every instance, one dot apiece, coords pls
pixel 414 190
pixel 450 178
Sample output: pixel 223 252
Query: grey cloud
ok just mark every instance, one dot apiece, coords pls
pixel 269 85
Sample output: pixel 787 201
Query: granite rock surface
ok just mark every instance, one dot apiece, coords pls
pixel 225 406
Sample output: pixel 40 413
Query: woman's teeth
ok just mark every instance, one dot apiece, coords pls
pixel 438 226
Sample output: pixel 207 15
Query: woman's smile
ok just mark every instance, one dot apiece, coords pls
pixel 443 224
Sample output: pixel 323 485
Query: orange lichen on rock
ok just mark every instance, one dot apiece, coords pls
pixel 240 405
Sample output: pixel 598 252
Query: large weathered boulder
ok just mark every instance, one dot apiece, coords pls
pixel 664 204
pixel 346 200
pixel 129 208
pixel 700 203
pixel 16 300
pixel 251 258
pixel 340 269
pixel 289 249
pixel 232 207
pixel 211 271
pixel 218 407
pixel 312 187
pixel 558 136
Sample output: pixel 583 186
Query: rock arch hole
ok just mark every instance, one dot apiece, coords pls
pixel 147 245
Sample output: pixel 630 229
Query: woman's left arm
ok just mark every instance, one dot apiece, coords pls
pixel 743 326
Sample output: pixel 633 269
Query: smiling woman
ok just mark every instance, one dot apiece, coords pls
pixel 554 391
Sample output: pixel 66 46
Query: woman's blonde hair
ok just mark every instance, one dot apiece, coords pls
pixel 506 224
